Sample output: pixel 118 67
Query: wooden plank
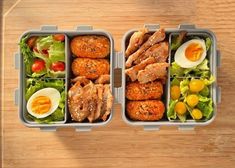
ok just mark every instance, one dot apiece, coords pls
pixel 120 145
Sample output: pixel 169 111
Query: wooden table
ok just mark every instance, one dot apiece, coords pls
pixel 119 145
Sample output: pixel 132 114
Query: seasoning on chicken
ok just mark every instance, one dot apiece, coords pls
pixel 136 40
pixel 137 91
pixel 148 110
pixel 88 100
pixel 90 68
pixel 158 36
pixel 153 72
pixel 159 51
pixel 90 46
pixel 133 71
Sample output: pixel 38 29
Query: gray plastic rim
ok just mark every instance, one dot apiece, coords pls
pixel 51 29
pixel 189 125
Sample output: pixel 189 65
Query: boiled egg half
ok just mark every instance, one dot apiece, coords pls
pixel 191 53
pixel 43 102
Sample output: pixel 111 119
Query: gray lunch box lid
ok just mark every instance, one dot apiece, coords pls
pixel 117 61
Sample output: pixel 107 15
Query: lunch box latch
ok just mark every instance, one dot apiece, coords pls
pixel 83 128
pixel 84 27
pixel 151 127
pixel 48 129
pixel 186 26
pixel 17 60
pixel 118 68
pixel 17 97
pixel 49 27
pixel 218 58
pixel 185 127
pixel 152 27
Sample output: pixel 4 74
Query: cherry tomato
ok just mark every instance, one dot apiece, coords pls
pixel 38 65
pixel 59 37
pixel 45 52
pixel 58 66
pixel 31 41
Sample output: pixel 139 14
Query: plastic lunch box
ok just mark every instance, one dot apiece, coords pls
pixel 117 60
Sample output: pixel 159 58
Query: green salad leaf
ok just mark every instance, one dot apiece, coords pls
pixel 201 70
pixel 208 43
pixel 182 117
pixel 206 107
pixel 27 55
pixel 171 114
pixel 57 51
pixel 44 43
pixel 184 87
pixel 177 40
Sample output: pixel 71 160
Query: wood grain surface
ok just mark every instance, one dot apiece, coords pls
pixel 117 144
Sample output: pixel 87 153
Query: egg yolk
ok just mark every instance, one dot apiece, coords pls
pixel 41 104
pixel 194 52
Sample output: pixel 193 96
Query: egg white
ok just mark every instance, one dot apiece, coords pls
pixel 181 59
pixel 54 96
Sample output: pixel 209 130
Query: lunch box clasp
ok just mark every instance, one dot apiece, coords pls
pixel 83 128
pixel 152 27
pixel 186 26
pixel 84 27
pixel 48 28
pixel 118 67
pixel 48 129
pixel 17 60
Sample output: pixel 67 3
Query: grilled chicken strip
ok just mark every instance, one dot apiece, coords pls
pixel 158 36
pixel 153 72
pixel 107 102
pixel 136 41
pixel 103 79
pixel 81 101
pixel 159 51
pixel 133 71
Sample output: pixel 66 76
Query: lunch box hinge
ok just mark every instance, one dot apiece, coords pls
pixel 17 60
pixel 218 96
pixel 118 68
pixel 152 27
pixel 84 27
pixel 151 127
pixel 83 128
pixel 49 27
pixel 218 58
pixel 17 97
pixel 186 26
pixel 186 127
pixel 48 129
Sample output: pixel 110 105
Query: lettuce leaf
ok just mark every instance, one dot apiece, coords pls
pixel 27 55
pixel 171 114
pixel 206 108
pixel 44 43
pixel 201 70
pixel 208 43
pixel 184 87
pixel 209 81
pixel 182 117
pixel 177 40
pixel 57 52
